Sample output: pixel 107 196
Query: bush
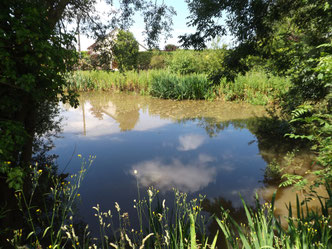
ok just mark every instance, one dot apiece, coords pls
pixel 170 47
pixel 255 87
pixel 185 62
pixel 213 64
pixel 158 61
pixel 174 86
pixel 125 51
pixel 144 60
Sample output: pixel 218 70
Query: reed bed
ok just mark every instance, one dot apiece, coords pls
pixel 106 81
pixel 255 87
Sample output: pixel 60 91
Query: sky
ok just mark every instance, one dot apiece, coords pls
pixel 179 25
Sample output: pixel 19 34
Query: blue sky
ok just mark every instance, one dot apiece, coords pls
pixel 179 25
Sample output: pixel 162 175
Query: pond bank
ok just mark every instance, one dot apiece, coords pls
pixel 255 87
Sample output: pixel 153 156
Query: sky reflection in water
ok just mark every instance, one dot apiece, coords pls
pixel 198 147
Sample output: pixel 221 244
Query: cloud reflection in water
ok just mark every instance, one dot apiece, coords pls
pixel 189 177
pixel 190 142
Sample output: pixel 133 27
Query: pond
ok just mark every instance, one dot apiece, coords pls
pixel 197 147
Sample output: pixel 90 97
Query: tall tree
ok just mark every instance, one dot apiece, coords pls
pixel 258 24
pixel 36 51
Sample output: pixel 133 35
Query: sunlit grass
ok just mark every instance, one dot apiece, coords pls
pixel 255 87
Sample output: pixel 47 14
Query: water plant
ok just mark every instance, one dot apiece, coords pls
pixel 46 215
pixel 255 87
pixel 305 229
pixel 174 86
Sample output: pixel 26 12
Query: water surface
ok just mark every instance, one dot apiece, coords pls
pixel 198 147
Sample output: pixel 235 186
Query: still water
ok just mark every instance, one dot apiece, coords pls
pixel 198 147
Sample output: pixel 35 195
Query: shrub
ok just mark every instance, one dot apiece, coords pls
pixel 170 47
pixel 213 64
pixel 158 61
pixel 255 87
pixel 185 62
pixel 144 60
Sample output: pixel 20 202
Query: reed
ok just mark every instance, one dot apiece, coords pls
pixel 107 81
pixel 255 87
pixel 175 86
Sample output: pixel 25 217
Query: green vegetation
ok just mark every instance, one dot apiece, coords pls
pixel 255 87
pixel 305 229
pixel 181 225
pixel 125 51
pixel 291 39
pixel 173 86
pixel 104 80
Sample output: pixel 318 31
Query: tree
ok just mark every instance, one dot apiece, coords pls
pixel 170 47
pixel 125 50
pixel 286 32
pixel 36 52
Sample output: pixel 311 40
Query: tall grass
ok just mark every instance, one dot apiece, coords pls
pixel 305 229
pixel 174 86
pixel 255 87
pixel 103 80
pixel 179 225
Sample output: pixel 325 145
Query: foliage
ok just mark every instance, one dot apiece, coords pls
pixel 144 59
pixel 160 226
pixel 47 216
pixel 214 64
pixel 170 47
pixel 105 80
pixel 313 121
pixel 174 86
pixel 310 230
pixel 255 87
pixel 158 61
pixel 34 59
pixel 125 51
pixel 185 62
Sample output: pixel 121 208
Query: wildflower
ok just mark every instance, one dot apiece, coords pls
pixel 79 155
pixel 117 206
pixel 8 162
pixel 38 210
pixel 40 171
pixel 50 246
pixel 78 195
pixel 77 243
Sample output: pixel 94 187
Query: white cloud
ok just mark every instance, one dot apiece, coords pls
pixel 190 142
pixel 189 177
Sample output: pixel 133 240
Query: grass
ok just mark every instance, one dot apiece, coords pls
pixel 182 225
pixel 305 229
pixel 255 87
pixel 175 86
pixel 107 81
